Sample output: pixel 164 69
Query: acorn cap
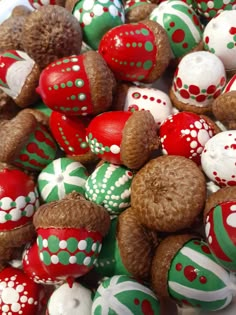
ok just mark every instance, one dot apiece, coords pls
pixel 11 33
pixel 162 260
pixel 163 54
pixel 51 33
pixel 14 133
pixel 73 211
pixel 168 193
pixel 28 94
pixel 139 139
pixel 101 81
pixel 86 158
pixel 20 10
pixel 221 195
pixel 136 244
pixel 224 109
pixel 17 237
pixel 188 107
pixel 8 108
pixel 138 13
pixel 38 115
pixel 70 4
pixel 120 94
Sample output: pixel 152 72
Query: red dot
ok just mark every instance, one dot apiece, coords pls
pixel 136 301
pixel 190 273
pixel 196 242
pixel 175 87
pixel 172 24
pixel 211 89
pixel 206 249
pixel 185 45
pixel 32 147
pixel 226 147
pixel 232 30
pixel 186 302
pixel 158 101
pixel 24 157
pixel 136 95
pixel 190 12
pixel 178 267
pixel 145 97
pixel 201 98
pixel 80 10
pixel 217 94
pixel 179 83
pixel 39 136
pixel 105 9
pixel 193 89
pixel 152 99
pixel 147 308
pixel 184 94
pixel 196 20
pixel 203 279
pixel 215 173
pixel 206 39
pixel 231 183
pixel 222 81
pixel 178 36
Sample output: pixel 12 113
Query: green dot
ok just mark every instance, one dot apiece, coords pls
pixel 212 13
pixel 140 44
pixel 63 85
pixel 69 83
pixel 132 64
pixel 83 145
pixel 82 97
pixel 140 77
pixel 137 32
pixel 134 44
pixel 66 60
pixel 27 199
pixel 63 137
pixel 79 83
pixel 68 69
pixel 203 91
pixel 147 64
pixel 73 97
pixel 131 33
pixel 23 213
pixel 62 108
pixel 58 63
pixel 67 109
pixel 212 50
pixel 144 31
pixel 80 258
pixel 75 109
pixel 185 86
pixel 53 243
pixel 90 242
pixel 125 63
pixel 40 242
pixel 67 142
pixel 148 46
pixel 204 6
pixel 234 37
pixel 46 258
pixel 121 62
pixel 64 257
pixel 138 64
pixel 230 45
pixel 128 45
pixel 107 149
pixel 228 7
pixel 56 87
pixel 72 244
pixel 90 135
pixel 13 204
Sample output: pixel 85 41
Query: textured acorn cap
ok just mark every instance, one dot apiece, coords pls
pixel 50 33
pixel 73 211
pixel 11 33
pixel 168 193
pixel 87 158
pixel 8 108
pixel 101 81
pixel 136 244
pixel 139 139
pixel 188 107
pixel 162 260
pixel 224 109
pixel 221 195
pixel 70 4
pixel 38 115
pixel 20 10
pixel 28 94
pixel 6 254
pixel 140 12
pixel 163 53
pixel 120 94
pixel 14 133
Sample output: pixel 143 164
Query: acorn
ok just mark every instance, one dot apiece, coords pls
pixel 70 233
pixel 136 52
pixel 8 108
pixel 136 10
pixel 73 87
pixel 123 137
pixel 168 193
pixel 62 36
pixel 20 10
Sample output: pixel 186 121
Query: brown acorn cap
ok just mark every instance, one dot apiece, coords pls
pixel 8 108
pixel 28 94
pixel 87 158
pixel 188 107
pixel 38 115
pixel 139 139
pixel 73 211
pixel 11 33
pixel 224 109
pixel 168 193
pixel 101 79
pixel 20 10
pixel 14 133
pixel 17 237
pixel 5 255
pixel 140 12
pixel 162 260
pixel 60 2
pixel 221 195
pixel 70 4
pixel 120 94
pixel 136 244
pixel 50 33
pixel 163 54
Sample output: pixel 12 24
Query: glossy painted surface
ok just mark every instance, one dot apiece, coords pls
pixel 231 85
pixel 210 9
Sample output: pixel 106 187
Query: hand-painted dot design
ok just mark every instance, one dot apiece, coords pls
pixel 210 9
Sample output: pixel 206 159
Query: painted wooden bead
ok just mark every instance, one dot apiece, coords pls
pixel 185 134
pixel 126 296
pixel 136 52
pixel 220 232
pixel 219 158
pixel 71 86
pixel 97 17
pixel 223 43
pixel 181 24
pixel 210 9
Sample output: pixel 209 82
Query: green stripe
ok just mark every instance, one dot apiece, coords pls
pixel 10 55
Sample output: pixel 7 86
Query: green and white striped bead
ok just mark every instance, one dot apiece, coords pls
pixel 196 279
pixel 61 177
pixel 109 186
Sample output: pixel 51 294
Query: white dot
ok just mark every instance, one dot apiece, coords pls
pixel 198 125
pixel 63 244
pixel 210 4
pixel 233 208
pixel 209 239
pixel 193 133
pixel 82 245
pixel 113 10
pixel 23 299
pixel 54 259
pixel 193 144
pixel 15 214
pixel 15 307
pixel 74 59
pixel 87 261
pixel 3 285
pixel 20 202
pixel 77 15
pixel 5 308
pixel 6 203
pixel 29 210
pixel 41 256
pixel 88 4
pixel 87 19
pixel 84 108
pixel 76 68
pixel 98 9
pixel 20 288
pixel 72 260
pixel 115 149
pixel 94 247
pixel 30 300
pixel 45 243
pixel 45 2
pixel 231 220
pixel 203 136
pixel 207 229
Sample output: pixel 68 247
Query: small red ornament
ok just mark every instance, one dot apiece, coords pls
pixel 185 134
